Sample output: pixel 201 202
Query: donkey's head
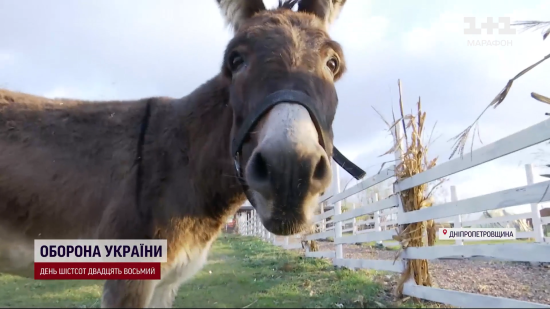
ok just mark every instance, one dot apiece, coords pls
pixel 282 65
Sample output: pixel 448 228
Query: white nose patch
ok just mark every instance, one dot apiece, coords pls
pixel 289 125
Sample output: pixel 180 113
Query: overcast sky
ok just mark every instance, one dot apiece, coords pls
pixel 129 49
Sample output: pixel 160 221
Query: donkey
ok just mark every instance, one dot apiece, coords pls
pixel 176 169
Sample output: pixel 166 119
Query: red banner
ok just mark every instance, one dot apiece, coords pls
pixel 96 271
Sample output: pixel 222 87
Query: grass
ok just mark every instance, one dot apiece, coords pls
pixel 242 271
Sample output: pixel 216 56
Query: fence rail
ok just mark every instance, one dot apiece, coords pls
pixel 379 231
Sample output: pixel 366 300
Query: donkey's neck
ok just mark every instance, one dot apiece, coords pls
pixel 208 122
pixel 195 131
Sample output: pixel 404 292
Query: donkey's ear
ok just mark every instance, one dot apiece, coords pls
pixel 326 10
pixel 236 12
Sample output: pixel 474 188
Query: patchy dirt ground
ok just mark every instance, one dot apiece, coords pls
pixel 519 281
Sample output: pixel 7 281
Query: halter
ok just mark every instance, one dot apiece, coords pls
pixel 287 96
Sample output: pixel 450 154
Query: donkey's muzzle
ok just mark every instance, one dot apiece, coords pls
pixel 288 173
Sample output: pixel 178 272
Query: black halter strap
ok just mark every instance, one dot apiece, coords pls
pixel 288 96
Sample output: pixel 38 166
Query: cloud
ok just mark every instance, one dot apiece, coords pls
pixel 6 60
pixel 445 37
pixel 356 29
pixel 5 57
pixel 134 48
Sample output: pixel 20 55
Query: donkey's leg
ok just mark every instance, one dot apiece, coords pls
pixel 164 296
pixel 121 220
pixel 186 265
pixel 127 293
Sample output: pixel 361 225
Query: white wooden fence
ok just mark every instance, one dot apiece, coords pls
pixel 532 193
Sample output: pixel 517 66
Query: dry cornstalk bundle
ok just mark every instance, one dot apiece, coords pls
pixel 414 160
pixel 310 245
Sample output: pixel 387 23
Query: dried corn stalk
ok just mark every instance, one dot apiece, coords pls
pixel 414 160
pixel 310 245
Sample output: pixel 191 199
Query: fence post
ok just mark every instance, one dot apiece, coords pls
pixel 377 226
pixel 245 224
pixel 252 222
pixel 258 226
pixel 243 220
pixel 241 224
pixel 253 219
pixel 255 225
pixel 236 225
pixel 248 216
pixel 337 211
pixel 376 218
pixel 458 218
pixel 324 221
pixel 535 212
pixel 353 222
pixel 260 231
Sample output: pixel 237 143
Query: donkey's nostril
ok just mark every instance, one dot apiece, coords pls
pixel 321 169
pixel 259 174
pixel 259 170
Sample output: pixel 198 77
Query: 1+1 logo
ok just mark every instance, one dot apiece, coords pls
pixel 489 25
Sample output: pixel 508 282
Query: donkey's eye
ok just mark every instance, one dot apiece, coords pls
pixel 332 65
pixel 235 61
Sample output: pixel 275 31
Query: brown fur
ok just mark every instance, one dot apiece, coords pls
pixel 156 168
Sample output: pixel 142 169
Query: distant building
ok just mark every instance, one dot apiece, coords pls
pixel 246 209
